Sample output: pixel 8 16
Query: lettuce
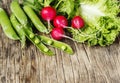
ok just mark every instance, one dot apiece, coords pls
pixel 68 7
pixel 102 23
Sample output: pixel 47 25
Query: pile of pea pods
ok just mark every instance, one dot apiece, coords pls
pixel 17 27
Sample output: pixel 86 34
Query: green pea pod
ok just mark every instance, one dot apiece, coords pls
pixel 56 44
pixel 19 29
pixel 36 41
pixel 18 12
pixel 6 26
pixel 35 19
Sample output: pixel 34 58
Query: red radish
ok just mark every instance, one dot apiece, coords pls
pixel 48 13
pixel 60 21
pixel 57 33
pixel 77 22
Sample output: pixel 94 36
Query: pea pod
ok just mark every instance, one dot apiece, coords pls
pixel 34 18
pixel 29 34
pixel 6 26
pixel 56 44
pixel 19 29
pixel 36 41
pixel 18 12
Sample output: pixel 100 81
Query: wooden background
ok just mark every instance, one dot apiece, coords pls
pixel 87 65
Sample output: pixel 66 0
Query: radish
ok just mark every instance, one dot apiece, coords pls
pixel 48 13
pixel 58 34
pixel 77 22
pixel 60 21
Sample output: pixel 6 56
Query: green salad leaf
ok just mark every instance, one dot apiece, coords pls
pixel 68 7
pixel 102 23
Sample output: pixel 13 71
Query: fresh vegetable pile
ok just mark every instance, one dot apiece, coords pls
pixel 95 22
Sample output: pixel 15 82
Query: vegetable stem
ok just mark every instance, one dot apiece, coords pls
pixel 58 4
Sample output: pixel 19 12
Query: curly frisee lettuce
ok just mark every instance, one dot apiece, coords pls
pixel 102 24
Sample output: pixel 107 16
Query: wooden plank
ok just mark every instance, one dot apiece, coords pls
pixel 59 67
pixel 104 62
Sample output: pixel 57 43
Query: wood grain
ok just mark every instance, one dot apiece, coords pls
pixel 29 65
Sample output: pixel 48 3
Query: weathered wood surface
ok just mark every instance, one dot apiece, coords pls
pixel 87 65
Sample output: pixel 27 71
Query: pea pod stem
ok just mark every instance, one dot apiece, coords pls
pixel 7 26
pixel 57 44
